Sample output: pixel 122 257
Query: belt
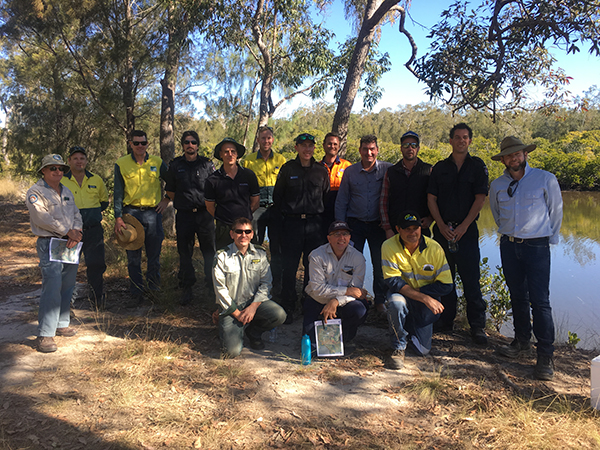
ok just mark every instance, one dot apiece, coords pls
pixel 192 210
pixel 267 204
pixel 141 208
pixel 301 216
pixel 517 240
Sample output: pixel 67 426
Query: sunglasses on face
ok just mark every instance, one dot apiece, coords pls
pixel 191 142
pixel 512 187
pixel 240 232
pixel 410 144
pixel 55 168
pixel 136 143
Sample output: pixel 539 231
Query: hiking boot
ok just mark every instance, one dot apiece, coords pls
pixel 45 344
pixel 255 343
pixel 515 348
pixel 479 336
pixel 544 368
pixel 187 296
pixel 396 360
pixel 66 332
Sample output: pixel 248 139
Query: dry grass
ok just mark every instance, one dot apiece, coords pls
pixel 13 189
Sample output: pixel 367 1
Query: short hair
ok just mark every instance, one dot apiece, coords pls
pixel 264 128
pixel 461 126
pixel 240 221
pixel 138 133
pixel 368 139
pixel 335 135
pixel 189 133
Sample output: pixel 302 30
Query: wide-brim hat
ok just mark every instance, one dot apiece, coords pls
pixel 53 160
pixel 510 145
pixel 238 147
pixel 132 236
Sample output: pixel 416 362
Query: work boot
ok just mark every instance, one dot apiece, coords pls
pixel 45 344
pixel 479 336
pixel 515 348
pixel 255 343
pixel 396 360
pixel 187 296
pixel 66 332
pixel 544 368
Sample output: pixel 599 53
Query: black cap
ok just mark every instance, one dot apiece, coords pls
pixel 305 137
pixel 74 150
pixel 238 147
pixel 411 134
pixel 408 219
pixel 338 225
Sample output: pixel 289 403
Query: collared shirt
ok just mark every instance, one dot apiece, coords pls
pixel 301 190
pixel 401 192
pixel 359 192
pixel 91 197
pixel 187 179
pixel 231 195
pixel 425 270
pixel 329 277
pixel 51 214
pixel 138 184
pixel 266 172
pixel 336 172
pixel 456 190
pixel 534 210
pixel 240 278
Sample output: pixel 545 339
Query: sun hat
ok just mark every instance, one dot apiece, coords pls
pixel 510 145
pixel 132 236
pixel 53 160
pixel 240 149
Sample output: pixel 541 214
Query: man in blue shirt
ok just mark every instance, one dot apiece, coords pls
pixel 357 204
pixel 527 207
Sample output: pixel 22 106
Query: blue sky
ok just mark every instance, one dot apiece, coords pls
pixel 401 87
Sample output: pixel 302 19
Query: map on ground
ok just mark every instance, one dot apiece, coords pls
pixel 330 341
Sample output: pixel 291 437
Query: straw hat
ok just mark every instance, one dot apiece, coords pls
pixel 510 145
pixel 132 236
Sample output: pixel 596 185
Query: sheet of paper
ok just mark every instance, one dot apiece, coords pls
pixel 330 341
pixel 60 253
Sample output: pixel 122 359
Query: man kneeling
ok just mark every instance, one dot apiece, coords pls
pixel 242 281
pixel 336 274
pixel 417 275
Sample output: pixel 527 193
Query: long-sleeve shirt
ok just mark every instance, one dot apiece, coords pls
pixel 239 278
pixel 91 197
pixel 329 277
pixel 358 196
pixel 534 210
pixel 266 172
pixel 52 214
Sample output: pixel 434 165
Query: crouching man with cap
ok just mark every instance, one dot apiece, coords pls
pixel 242 280
pixel 335 287
pixel 527 206
pixel 417 275
pixel 53 214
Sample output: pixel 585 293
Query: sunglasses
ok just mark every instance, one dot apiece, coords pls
pixel 305 137
pixel 410 144
pixel 136 143
pixel 190 142
pixel 240 232
pixel 55 168
pixel 512 188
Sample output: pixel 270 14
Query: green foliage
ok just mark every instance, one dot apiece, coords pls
pixel 573 340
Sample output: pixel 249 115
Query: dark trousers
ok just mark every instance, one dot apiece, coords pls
pixel 302 236
pixel 353 315
pixel 189 225
pixel 93 252
pixel 466 261
pixel 275 229
pixel 222 236
pixel 526 268
pixel 375 236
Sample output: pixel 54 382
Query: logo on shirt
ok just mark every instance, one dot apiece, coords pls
pixel 428 268
pixel 255 261
pixel 348 269
pixel 66 199
pixel 153 168
pixel 33 198
pixel 295 177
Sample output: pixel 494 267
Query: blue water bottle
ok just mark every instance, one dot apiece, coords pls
pixel 306 350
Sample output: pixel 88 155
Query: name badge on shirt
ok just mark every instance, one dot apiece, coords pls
pixel 66 199
pixel 348 269
pixel 295 177
pixel 428 268
pixel 255 261
pixel 92 186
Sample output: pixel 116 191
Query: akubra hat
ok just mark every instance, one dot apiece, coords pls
pixel 510 145
pixel 238 147
pixel 132 236
pixel 53 160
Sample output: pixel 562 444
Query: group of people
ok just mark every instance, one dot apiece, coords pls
pixel 323 212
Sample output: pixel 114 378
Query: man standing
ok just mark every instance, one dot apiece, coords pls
pixel 138 192
pixel 527 206
pixel 185 186
pixel 405 187
pixel 299 195
pixel 231 191
pixel 53 214
pixel 358 204
pixel 456 193
pixel 336 167
pixel 335 288
pixel 242 280
pixel 417 275
pixel 91 197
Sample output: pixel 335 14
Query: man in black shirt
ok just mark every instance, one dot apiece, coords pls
pixel 457 189
pixel 186 177
pixel 299 195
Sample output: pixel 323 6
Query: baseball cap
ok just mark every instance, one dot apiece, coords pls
pixel 338 225
pixel 305 137
pixel 408 219
pixel 411 134
pixel 77 149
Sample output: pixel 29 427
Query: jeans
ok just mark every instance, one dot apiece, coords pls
pixel 93 251
pixel 58 282
pixel 466 260
pixel 231 331
pixel 375 235
pixel 154 235
pixel 526 268
pixel 353 314
pixel 188 225
pixel 410 317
